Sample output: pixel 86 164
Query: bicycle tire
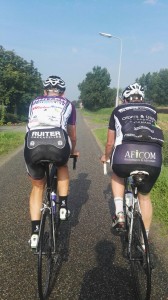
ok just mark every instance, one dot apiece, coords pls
pixel 140 260
pixel 53 178
pixel 53 184
pixel 45 255
pixel 124 236
pixel 126 210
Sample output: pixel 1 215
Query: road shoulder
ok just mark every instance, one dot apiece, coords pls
pixel 5 158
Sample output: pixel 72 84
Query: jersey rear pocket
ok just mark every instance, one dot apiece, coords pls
pixel 142 133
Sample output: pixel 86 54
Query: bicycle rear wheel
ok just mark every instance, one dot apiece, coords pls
pixel 53 184
pixel 45 255
pixel 140 259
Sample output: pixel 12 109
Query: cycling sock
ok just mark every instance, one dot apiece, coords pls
pixel 35 226
pixel 147 232
pixel 118 204
pixel 63 201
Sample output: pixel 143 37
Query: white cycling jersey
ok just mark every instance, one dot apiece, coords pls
pixel 50 112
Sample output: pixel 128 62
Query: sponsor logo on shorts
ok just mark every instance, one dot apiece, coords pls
pixel 46 134
pixel 140 156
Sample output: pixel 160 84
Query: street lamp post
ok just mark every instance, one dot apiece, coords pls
pixel 108 35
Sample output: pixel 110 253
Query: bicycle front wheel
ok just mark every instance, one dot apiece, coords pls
pixel 140 259
pixel 45 255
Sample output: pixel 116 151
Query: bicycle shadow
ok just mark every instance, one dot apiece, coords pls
pixel 107 280
pixel 78 196
pixel 109 198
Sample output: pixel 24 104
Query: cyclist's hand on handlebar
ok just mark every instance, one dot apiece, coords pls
pixel 75 152
pixel 104 159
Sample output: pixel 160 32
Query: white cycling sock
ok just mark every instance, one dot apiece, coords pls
pixel 147 232
pixel 118 204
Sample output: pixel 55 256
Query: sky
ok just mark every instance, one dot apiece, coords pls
pixel 62 37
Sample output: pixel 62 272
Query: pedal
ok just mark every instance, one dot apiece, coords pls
pixel 121 230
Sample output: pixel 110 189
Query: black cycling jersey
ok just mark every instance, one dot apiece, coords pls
pixel 135 122
pixel 138 142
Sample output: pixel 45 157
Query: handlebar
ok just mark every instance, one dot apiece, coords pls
pixel 74 156
pixel 105 166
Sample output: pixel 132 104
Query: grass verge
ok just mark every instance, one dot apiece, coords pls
pixel 9 141
pixel 159 195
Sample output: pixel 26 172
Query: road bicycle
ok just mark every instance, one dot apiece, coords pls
pixel 134 238
pixel 47 249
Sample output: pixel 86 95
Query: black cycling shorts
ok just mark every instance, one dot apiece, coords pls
pixel 45 144
pixel 129 157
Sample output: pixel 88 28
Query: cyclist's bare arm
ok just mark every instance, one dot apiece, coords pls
pixel 71 130
pixel 109 145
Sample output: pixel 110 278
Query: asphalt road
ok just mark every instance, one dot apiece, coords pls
pixel 91 266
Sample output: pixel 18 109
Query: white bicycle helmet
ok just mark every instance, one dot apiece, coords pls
pixel 56 83
pixel 133 90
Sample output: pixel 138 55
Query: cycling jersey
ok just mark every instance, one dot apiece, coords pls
pixel 51 112
pixel 135 122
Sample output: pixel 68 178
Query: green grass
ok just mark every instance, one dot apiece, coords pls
pixel 159 197
pixel 102 111
pixel 101 134
pixel 163 117
pixel 159 193
pixel 9 141
pixel 98 117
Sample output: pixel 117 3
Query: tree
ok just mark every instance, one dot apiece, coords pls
pixel 156 86
pixel 95 90
pixel 19 82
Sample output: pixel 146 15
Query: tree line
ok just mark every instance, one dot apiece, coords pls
pixel 20 82
pixel 95 91
pixel 156 86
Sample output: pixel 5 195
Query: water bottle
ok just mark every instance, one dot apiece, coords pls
pixel 129 183
pixel 53 200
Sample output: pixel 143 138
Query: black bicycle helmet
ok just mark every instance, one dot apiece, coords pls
pixel 133 90
pixel 56 83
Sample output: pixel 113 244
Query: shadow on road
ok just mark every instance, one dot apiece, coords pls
pixel 107 280
pixel 108 196
pixel 77 198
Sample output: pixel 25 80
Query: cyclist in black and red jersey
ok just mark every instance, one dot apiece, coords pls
pixel 51 135
pixel 134 141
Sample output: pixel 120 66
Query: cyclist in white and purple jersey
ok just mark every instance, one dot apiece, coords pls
pixel 51 135
pixel 134 141
pixel 51 111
